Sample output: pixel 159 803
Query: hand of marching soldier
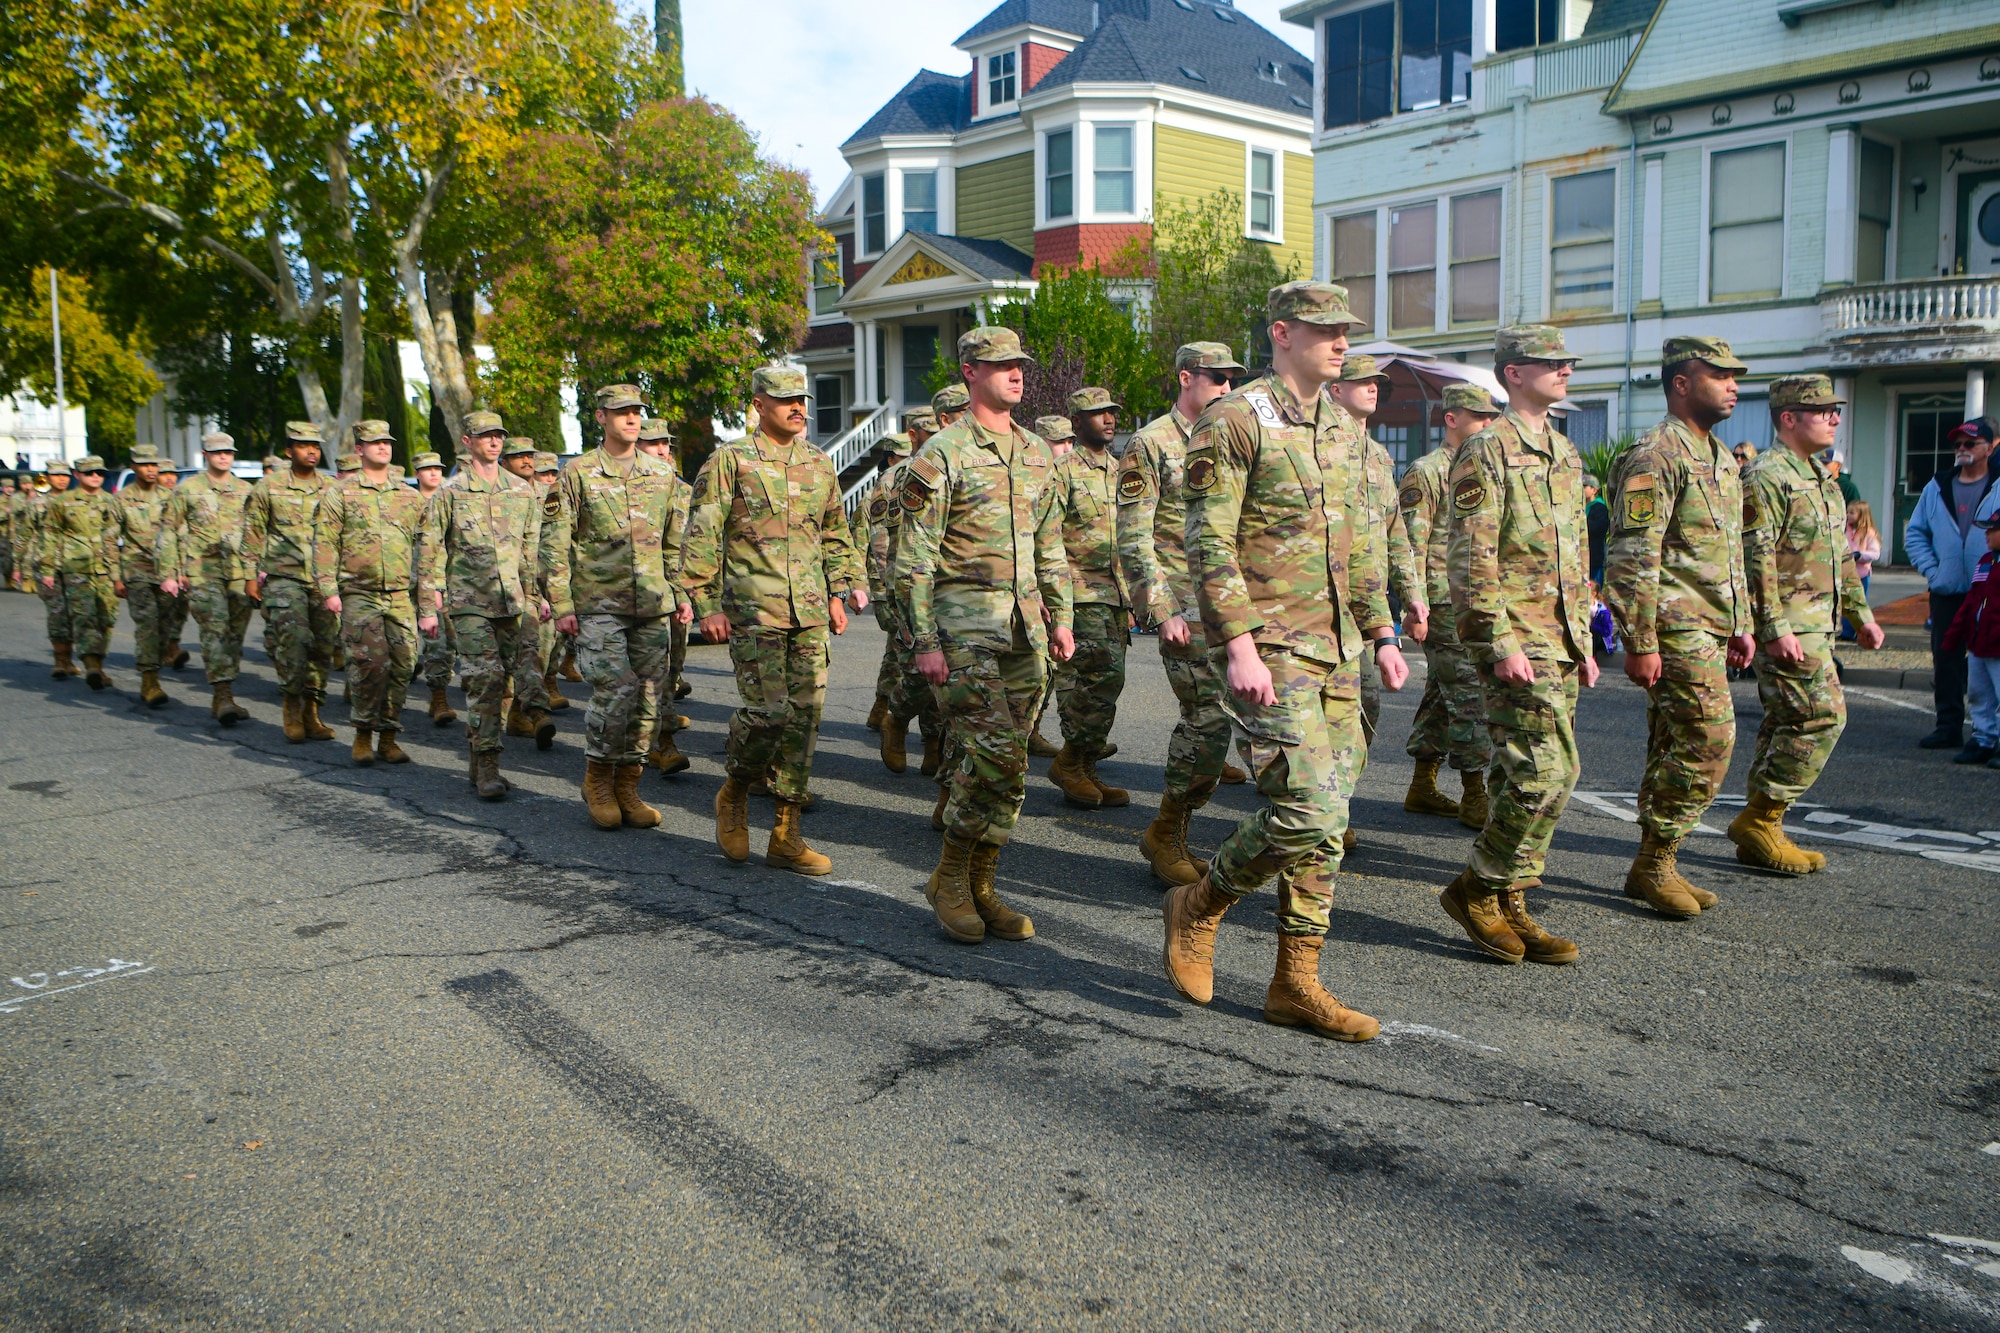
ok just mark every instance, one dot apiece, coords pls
pixel 1417 621
pixel 933 668
pixel 1741 649
pixel 1395 671
pixel 1786 649
pixel 858 599
pixel 836 611
pixel 715 628
pixel 333 604
pixel 1174 632
pixel 1589 671
pixel 1869 635
pixel 567 624
pixel 1062 644
pixel 685 613
pixel 428 626
pixel 1249 678
pixel 1517 670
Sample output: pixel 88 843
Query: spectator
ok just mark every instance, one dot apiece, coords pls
pixel 1743 453
pixel 1976 628
pixel 1597 520
pixel 1944 546
pixel 1836 463
pixel 1866 543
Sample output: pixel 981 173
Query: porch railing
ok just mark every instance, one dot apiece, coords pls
pixel 1907 307
pixel 853 445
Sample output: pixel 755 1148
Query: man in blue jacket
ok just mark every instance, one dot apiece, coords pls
pixel 1944 546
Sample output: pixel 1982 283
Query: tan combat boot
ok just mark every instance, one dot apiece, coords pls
pixel 667 756
pixel 1108 796
pixel 938 810
pixel 625 790
pixel 1349 840
pixel 1067 773
pixel 294 727
pixel 441 714
pixel 876 714
pixel 787 849
pixel 1232 776
pixel 1296 998
pixel 557 699
pixel 1039 746
pixel 1000 919
pixel 387 750
pixel 949 893
pixel 600 795
pixel 895 742
pixel 1653 880
pixel 1477 909
pixel 150 691
pixel 1424 798
pixel 65 666
pixel 315 729
pixel 569 671
pixel 1541 946
pixel 486 779
pixel 933 756
pixel 1192 913
pixel 1759 835
pixel 222 705
pixel 94 674
pixel 545 728
pixel 1164 844
pixel 732 819
pixel 1474 803
pixel 517 720
pixel 178 658
pixel 1702 897
pixel 363 751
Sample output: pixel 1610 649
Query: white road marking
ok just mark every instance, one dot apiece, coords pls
pixel 1395 1028
pixel 41 985
pixel 1899 1272
pixel 1974 851
pixel 1891 1270
pixel 1967 1242
pixel 1754 1326
pixel 1992 1149
pixel 1885 699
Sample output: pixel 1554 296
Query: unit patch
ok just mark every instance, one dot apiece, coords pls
pixel 1412 496
pixel 878 508
pixel 1201 473
pixel 1467 494
pixel 1639 508
pixel 1131 486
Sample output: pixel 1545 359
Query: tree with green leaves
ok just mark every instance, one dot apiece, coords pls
pixel 104 372
pixel 1079 326
pixel 1209 279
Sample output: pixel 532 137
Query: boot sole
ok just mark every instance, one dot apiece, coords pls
pixel 1424 808
pixel 1551 960
pixel 678 766
pixel 1332 1034
pixel 545 736
pixel 160 702
pixel 444 721
pixel 1465 924
pixel 893 766
pixel 1671 913
pixel 1756 862
pixel 96 681
pixel 1028 934
pixel 787 863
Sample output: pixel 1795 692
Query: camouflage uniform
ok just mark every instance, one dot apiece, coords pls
pixel 77 546
pixel 200 545
pixel 7 510
pixel 1088 685
pixel 434 652
pixel 768 546
pixel 611 557
pixel 1673 578
pixel 364 550
pixel 32 512
pixel 1399 562
pixel 1801 581
pixel 300 634
pixel 140 509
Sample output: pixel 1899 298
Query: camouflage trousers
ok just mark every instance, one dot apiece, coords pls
pixel 300 636
pixel 6 557
pixel 1305 752
pixel 988 703
pixel 82 609
pixel 1088 685
pixel 434 655
pixel 379 631
pixel 1371 697
pixel 781 676
pixel 1690 733
pixel 624 659
pixel 492 649
pixel 1804 713
pixel 909 696
pixel 1199 744
pixel 1534 771
pixel 156 623
pixel 1451 715
pixel 222 615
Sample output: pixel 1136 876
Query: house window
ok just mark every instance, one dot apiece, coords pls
pixel 1263 194
pixel 874 218
pixel 1360 51
pixel 1436 64
pixel 1746 223
pixel 920 350
pixel 1475 258
pixel 1589 424
pixel 1584 214
pixel 1413 250
pixel 1060 170
pixel 1113 168
pixel 1878 196
pixel 1354 264
pixel 829 405
pixel 826 282
pixel 1524 23
pixel 920 201
pixel 999 79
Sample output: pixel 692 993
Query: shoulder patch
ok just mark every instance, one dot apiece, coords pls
pixel 1753 513
pixel 924 472
pixel 1639 506
pixel 1411 496
pixel 1201 473
pixel 1467 494
pixel 877 508
pixel 1639 481
pixel 1132 485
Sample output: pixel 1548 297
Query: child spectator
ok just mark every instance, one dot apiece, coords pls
pixel 1866 543
pixel 1976 629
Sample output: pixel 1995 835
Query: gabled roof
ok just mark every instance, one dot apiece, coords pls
pixel 1618 15
pixel 931 103
pixel 1197 45
pixel 987 259
pixel 1071 16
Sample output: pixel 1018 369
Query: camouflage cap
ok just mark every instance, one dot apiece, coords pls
pixel 1092 399
pixel 898 445
pixel 57 469
pixel 920 418
pixel 89 463
pixel 484 423
pixel 655 428
pixel 1470 398
pixel 546 462
pixel 951 398
pixel 143 453
pixel 371 431
pixel 1803 391
pixel 1205 356
pixel 518 445
pixel 1530 342
pixel 218 442
pixel 619 397
pixel 302 432
pixel 1693 347
pixel 1054 428
pixel 1308 302
pixel 991 342
pixel 779 381
pixel 424 460
pixel 1359 369
pixel 347 461
pixel 270 461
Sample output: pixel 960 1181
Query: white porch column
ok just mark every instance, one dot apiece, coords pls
pixel 1655 214
pixel 1843 182
pixel 864 364
pixel 1975 392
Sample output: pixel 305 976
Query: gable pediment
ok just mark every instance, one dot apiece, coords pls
pixel 921 266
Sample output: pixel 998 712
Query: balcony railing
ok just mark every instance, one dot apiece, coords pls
pixel 845 450
pixel 1932 305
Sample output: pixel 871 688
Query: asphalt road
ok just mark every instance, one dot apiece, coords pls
pixel 290 1044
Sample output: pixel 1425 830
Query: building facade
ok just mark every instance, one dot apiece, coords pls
pixel 1817 181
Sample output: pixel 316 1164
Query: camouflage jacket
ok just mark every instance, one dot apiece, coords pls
pixel 611 542
pixel 1399 563
pixel 1518 554
pixel 201 535
pixel 479 545
pixel 768 542
pixel 1152 522
pixel 1799 570
pixel 1083 486
pixel 79 535
pixel 1674 560
pixel 140 509
pixel 1428 526
pixel 982 540
pixel 1279 541
pixel 278 523
pixel 367 538
pixel 885 531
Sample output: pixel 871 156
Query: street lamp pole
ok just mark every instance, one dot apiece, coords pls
pixel 55 324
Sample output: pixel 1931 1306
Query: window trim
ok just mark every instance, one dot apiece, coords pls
pixel 813 288
pixel 903 210
pixel 861 216
pixel 1447 264
pixel 1332 219
pixel 1275 236
pixel 1382 206
pixel 1439 268
pixel 1132 129
pixel 1760 139
pixel 1618 224
pixel 1044 217
pixel 1012 77
pixel 1322 65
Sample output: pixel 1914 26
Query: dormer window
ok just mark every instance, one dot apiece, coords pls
pixel 1000 79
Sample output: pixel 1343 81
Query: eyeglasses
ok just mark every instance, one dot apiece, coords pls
pixel 1218 377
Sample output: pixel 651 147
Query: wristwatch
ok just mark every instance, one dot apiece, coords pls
pixel 1391 641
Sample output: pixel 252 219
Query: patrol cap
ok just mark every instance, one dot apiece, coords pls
pixel 1530 342
pixel 301 432
pixel 1693 347
pixel 144 453
pixel 347 461
pixel 371 431
pixel 1470 398
pixel 484 423
pixel 778 381
pixel 57 468
pixel 951 398
pixel 991 342
pixel 546 462
pixel 898 445
pixel 1979 428
pixel 1054 428
pixel 1803 391
pixel 271 461
pixel 518 445
pixel 1205 356
pixel 1360 369
pixel 618 397
pixel 1092 399
pixel 218 442
pixel 1308 302
pixel 424 460
pixel 89 463
pixel 920 418
pixel 655 428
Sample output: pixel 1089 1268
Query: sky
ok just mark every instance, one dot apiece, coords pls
pixel 805 74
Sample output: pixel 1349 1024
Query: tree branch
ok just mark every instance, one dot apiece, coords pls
pixel 168 218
